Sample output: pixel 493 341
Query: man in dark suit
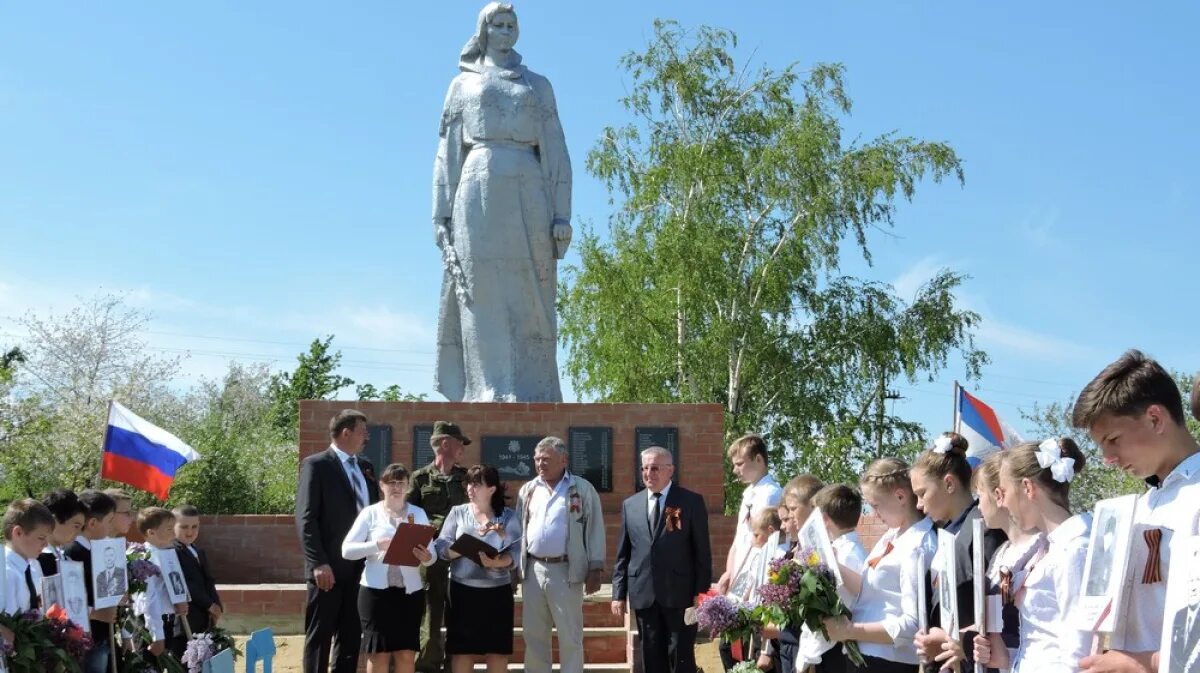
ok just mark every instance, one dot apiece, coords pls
pixel 332 491
pixel 663 562
pixel 1185 628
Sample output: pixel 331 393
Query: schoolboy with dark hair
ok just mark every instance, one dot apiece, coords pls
pixel 204 609
pixel 69 515
pixel 1133 410
pixel 101 509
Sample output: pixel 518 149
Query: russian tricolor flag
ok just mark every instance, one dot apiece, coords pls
pixel 984 431
pixel 141 454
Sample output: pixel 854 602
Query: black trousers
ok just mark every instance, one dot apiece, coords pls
pixel 332 616
pixel 787 646
pixel 668 645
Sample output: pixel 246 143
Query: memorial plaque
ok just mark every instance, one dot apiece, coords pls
pixel 591 456
pixel 379 447
pixel 511 455
pixel 422 452
pixel 644 438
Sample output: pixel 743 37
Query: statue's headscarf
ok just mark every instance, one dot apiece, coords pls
pixel 472 54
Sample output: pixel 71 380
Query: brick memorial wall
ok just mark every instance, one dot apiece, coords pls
pixel 503 434
pixel 258 549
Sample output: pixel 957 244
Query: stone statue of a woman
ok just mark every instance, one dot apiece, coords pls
pixel 501 216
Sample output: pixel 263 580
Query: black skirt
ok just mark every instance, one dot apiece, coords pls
pixel 391 619
pixel 479 621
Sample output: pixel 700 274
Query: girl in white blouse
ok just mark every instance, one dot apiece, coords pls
pixel 1007 565
pixel 391 600
pixel 885 615
pixel 1035 482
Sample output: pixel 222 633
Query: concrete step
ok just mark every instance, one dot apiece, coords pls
pixel 280 604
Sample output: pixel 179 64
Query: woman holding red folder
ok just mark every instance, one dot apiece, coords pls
pixel 479 621
pixel 391 600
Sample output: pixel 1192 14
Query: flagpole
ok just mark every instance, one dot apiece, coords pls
pixel 954 421
pixel 103 442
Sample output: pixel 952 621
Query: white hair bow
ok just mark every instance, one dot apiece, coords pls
pixel 1049 455
pixel 941 444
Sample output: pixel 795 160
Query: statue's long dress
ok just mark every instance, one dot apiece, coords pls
pixel 502 176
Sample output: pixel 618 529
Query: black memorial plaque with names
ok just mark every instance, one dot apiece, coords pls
pixel 422 452
pixel 644 438
pixel 379 447
pixel 511 455
pixel 591 455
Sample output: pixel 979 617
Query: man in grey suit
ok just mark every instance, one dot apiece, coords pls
pixel 664 560
pixel 111 581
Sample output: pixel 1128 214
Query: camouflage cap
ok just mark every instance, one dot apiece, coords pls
pixel 448 429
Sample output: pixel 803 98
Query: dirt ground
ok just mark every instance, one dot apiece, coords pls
pixel 290 648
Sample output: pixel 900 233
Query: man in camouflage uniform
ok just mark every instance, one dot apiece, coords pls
pixel 436 488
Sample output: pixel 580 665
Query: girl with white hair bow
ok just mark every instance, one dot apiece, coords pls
pixel 1035 483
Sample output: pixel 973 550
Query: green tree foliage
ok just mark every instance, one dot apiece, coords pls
pixel 1098 481
pixel 54 402
pixel 8 364
pixel 392 393
pixel 315 378
pixel 719 278
pixel 56 411
pixel 248 465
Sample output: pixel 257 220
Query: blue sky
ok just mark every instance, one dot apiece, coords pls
pixel 257 174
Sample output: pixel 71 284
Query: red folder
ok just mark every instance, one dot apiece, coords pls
pixel 408 535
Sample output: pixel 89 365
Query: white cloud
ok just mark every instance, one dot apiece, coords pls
pixel 907 283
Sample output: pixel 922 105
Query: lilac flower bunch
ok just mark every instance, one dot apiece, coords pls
pixel 138 558
pixel 200 649
pixel 803 591
pixel 720 616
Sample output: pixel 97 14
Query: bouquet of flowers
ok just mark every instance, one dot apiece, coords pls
pixel 722 617
pixel 50 644
pixel 802 591
pixel 205 646
pixel 141 567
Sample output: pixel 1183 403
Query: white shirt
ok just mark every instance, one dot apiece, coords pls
pixel 546 533
pixel 353 474
pixel 152 605
pixel 758 496
pixel 889 590
pixel 16 592
pixel 850 553
pixel 1173 507
pixel 371 525
pixel 1050 643
pixel 662 501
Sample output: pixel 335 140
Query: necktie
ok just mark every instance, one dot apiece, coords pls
pixel 33 595
pixel 360 489
pixel 195 554
pixel 653 518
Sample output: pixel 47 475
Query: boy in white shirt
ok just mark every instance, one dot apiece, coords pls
pixel 27 528
pixel 157 524
pixel 748 455
pixel 752 574
pixel 841 507
pixel 1134 412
